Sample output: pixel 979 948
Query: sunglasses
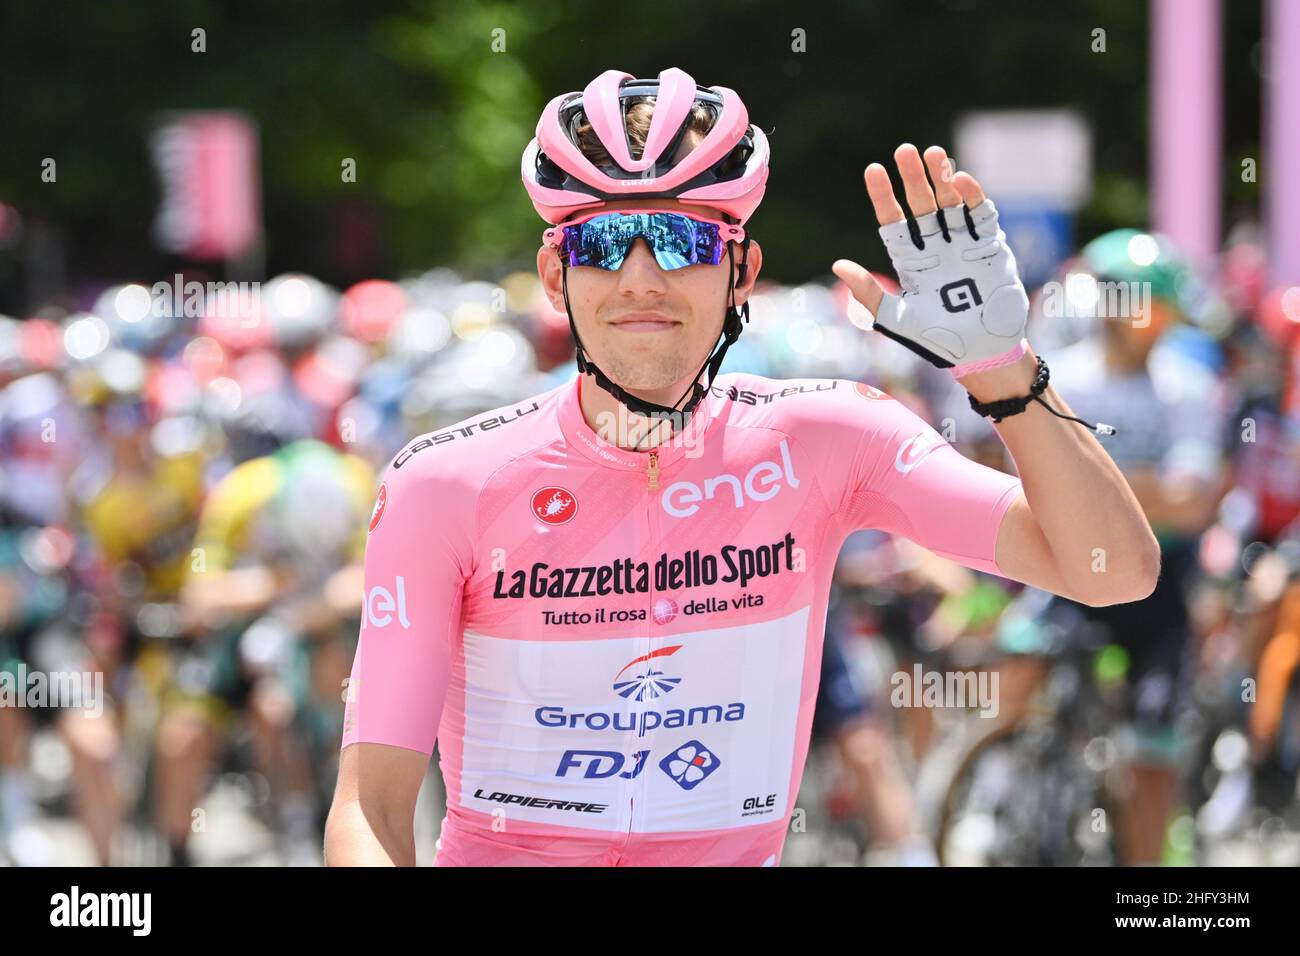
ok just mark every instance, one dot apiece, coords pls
pixel 677 239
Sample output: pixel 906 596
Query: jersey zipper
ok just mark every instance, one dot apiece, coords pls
pixel 652 527
pixel 640 743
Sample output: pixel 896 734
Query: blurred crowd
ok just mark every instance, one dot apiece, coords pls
pixel 187 470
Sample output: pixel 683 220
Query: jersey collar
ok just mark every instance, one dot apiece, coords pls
pixel 583 439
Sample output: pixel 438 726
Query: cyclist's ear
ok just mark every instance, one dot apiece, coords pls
pixel 550 271
pixel 744 261
pixel 744 275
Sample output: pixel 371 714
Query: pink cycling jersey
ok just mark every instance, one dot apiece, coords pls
pixel 618 652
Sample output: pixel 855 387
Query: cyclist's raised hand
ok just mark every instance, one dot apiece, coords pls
pixel 963 306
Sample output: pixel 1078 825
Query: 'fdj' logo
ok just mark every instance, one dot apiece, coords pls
pixel 600 764
pixel 652 683
pixel 960 295
pixel 689 764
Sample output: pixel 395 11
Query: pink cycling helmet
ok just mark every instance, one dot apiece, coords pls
pixel 727 170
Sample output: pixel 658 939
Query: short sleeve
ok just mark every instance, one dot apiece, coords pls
pixel 417 558
pixel 904 478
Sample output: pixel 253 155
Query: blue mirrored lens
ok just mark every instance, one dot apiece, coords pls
pixel 676 240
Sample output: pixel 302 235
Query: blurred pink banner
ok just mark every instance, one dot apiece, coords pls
pixel 209 166
pixel 1278 173
pixel 1186 124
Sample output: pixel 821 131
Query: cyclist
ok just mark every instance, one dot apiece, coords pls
pixel 1263 430
pixel 1163 406
pixel 851 709
pixel 34 591
pixel 33 596
pixel 138 494
pixel 277 570
pixel 607 602
pixel 1262 438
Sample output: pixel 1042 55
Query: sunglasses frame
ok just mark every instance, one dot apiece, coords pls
pixel 554 236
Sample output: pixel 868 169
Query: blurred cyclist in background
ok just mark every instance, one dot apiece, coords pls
pixel 1163 404
pixel 137 496
pixel 41 439
pixel 1256 546
pixel 870 600
pixel 275 582
pixel 98 502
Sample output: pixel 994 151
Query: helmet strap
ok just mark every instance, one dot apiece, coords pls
pixel 732 326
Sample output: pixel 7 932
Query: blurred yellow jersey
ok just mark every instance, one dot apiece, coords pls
pixel 272 508
pixel 144 524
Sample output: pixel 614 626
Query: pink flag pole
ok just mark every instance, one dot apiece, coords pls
pixel 1279 173
pixel 1186 124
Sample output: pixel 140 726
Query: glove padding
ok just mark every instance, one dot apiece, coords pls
pixel 963 306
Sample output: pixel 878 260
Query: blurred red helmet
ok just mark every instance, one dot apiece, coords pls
pixel 237 333
pixel 1278 317
pixel 370 309
pixel 1241 277
pixel 42 343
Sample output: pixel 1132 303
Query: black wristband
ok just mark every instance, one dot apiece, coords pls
pixel 1006 407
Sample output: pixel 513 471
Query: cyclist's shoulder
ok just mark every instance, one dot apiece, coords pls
pixel 810 405
pixel 462 456
pixel 243 489
pixel 357 470
pixel 314 460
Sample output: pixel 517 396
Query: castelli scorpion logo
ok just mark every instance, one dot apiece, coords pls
pixel 553 505
pixel 378 513
pixel 870 391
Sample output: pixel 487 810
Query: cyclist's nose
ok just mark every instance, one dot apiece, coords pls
pixel 640 273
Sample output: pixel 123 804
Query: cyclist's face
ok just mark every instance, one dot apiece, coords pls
pixel 645 327
pixel 1133 340
pixel 127 432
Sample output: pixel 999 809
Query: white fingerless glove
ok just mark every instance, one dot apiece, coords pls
pixel 963 306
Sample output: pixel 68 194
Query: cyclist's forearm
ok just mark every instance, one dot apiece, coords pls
pixel 320 609
pixel 244 591
pixel 352 840
pixel 1186 507
pixel 1087 513
pixel 930 570
pixel 345 586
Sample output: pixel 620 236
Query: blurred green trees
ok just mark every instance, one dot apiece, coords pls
pixel 435 100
